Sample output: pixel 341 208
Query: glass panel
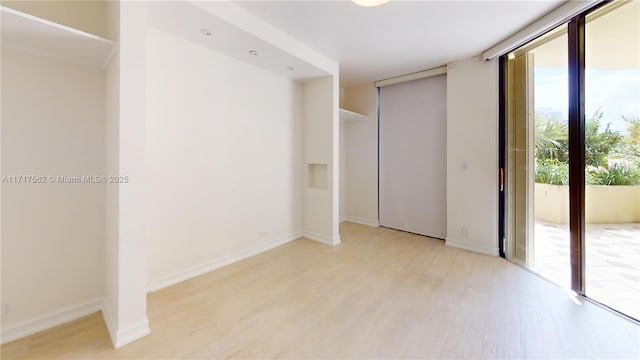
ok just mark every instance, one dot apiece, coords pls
pixel 612 150
pixel 538 157
pixel 551 247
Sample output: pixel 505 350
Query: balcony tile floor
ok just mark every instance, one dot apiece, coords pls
pixel 612 262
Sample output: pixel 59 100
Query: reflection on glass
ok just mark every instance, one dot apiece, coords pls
pixel 551 176
pixel 538 160
pixel 612 151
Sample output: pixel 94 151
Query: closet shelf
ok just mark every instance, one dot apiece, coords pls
pixel 347 115
pixel 46 38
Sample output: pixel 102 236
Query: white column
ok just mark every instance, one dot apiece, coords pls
pixel 125 252
pixel 321 160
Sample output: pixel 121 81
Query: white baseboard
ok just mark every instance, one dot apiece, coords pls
pixel 336 240
pixel 362 221
pixel 466 245
pixel 107 316
pixel 132 333
pixel 322 238
pixel 122 337
pixel 50 320
pixel 214 264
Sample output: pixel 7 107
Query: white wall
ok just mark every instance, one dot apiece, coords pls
pixel 343 161
pixel 112 129
pixel 52 234
pixel 224 159
pixel 361 156
pixel 472 140
pixel 343 171
pixel 321 146
pixel 112 231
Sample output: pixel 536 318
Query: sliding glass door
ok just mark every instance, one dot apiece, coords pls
pixel 612 156
pixel 538 139
pixel 572 119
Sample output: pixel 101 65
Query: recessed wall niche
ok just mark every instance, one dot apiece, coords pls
pixel 317 176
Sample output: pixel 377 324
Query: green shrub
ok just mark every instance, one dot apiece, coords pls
pixel 557 173
pixel 617 174
pixel 552 172
pixel 594 175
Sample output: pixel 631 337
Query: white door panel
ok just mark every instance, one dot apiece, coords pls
pixel 413 156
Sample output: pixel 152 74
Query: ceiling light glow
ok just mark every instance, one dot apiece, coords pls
pixel 370 3
pixel 205 32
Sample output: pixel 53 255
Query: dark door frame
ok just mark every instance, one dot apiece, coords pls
pixel 576 129
pixel 502 156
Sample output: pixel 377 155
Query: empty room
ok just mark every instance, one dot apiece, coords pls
pixel 348 179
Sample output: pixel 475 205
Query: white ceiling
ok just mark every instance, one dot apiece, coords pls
pixel 187 20
pixel 399 37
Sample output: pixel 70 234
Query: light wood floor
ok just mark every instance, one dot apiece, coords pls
pixel 380 294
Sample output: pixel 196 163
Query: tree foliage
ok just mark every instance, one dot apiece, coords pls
pixel 634 128
pixel 630 146
pixel 551 140
pixel 601 145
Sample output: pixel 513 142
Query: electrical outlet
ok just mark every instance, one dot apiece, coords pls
pixel 263 235
pixel 4 310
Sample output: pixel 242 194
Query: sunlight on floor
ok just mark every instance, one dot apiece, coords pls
pixel 612 262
